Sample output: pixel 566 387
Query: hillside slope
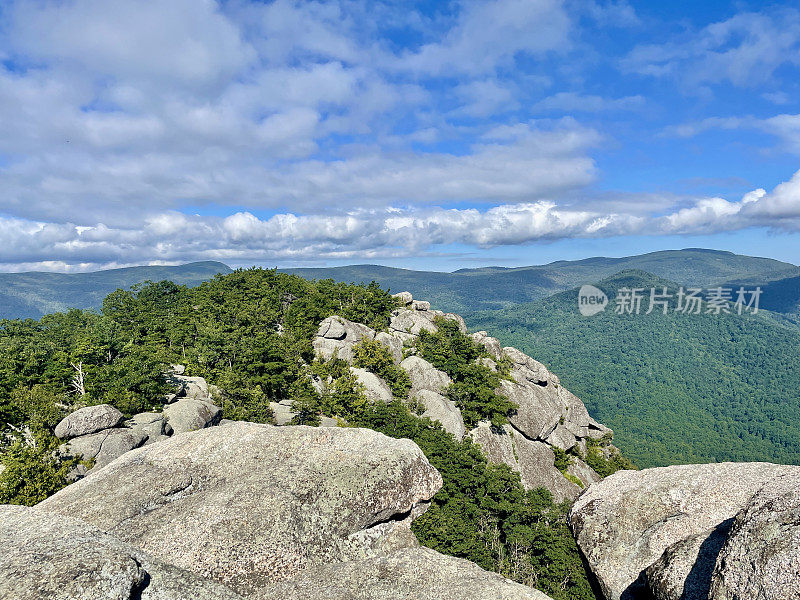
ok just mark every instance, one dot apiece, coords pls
pixel 676 388
pixel 33 294
pixel 468 290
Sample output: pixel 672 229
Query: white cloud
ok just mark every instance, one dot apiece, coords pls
pixel 744 50
pixel 185 42
pixel 484 97
pixel 489 34
pixel 117 116
pixel 785 127
pixel 376 233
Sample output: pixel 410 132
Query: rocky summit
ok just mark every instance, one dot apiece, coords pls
pixel 548 419
pixel 242 511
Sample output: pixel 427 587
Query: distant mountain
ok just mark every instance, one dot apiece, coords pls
pixel 676 387
pixel 33 294
pixel 468 290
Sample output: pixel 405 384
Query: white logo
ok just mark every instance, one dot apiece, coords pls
pixel 591 300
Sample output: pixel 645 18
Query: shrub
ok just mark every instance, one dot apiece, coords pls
pixel 33 471
pixel 474 384
pixel 375 357
pixel 603 459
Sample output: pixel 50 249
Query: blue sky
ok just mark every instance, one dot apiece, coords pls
pixel 432 135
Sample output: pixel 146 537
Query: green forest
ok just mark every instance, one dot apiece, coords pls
pixel 250 334
pixel 676 388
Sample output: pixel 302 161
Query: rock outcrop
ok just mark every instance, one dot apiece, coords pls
pixel 190 414
pixel 243 511
pixel 375 388
pixel 248 504
pixel 657 531
pixel 761 557
pixel 150 424
pixel 549 416
pixel 424 376
pixel 684 570
pixel 439 408
pixel 88 420
pixel 99 434
pixel 44 556
pixel 401 575
pixel 336 336
pixel 104 446
pixel 533 460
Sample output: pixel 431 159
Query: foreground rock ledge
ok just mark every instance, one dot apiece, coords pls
pixel 625 523
pixel 409 573
pixel 761 557
pixel 249 504
pixel 45 557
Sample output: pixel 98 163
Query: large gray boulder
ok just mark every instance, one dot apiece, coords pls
pixel 424 376
pixel 438 408
pixel 44 556
pixel 624 523
pixel 90 419
pixel 408 573
pixel 403 298
pixel 150 424
pixel 282 412
pixel 190 414
pixel 684 570
pixel 393 344
pixel 103 446
pixel 462 325
pixel 374 388
pixel 408 323
pixel 761 558
pixel 336 336
pixel 526 369
pixel 539 411
pixel 249 504
pixel 533 460
pixel 189 387
pixel 491 344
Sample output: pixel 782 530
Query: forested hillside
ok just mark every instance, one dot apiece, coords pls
pixel 34 294
pixel 250 334
pixel 469 290
pixel 675 388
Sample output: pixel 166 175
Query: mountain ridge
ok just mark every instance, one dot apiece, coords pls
pixel 32 294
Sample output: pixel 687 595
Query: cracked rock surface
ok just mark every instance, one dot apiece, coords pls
pixel 250 504
pixel 49 557
pixel 624 524
pixel 761 557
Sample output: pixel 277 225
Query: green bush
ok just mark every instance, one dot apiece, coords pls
pixel 32 470
pixel 563 460
pixel 240 402
pixel 474 384
pixel 604 459
pixel 375 357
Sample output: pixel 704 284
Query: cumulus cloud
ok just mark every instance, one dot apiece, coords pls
pixel 243 238
pixel 120 119
pixel 489 34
